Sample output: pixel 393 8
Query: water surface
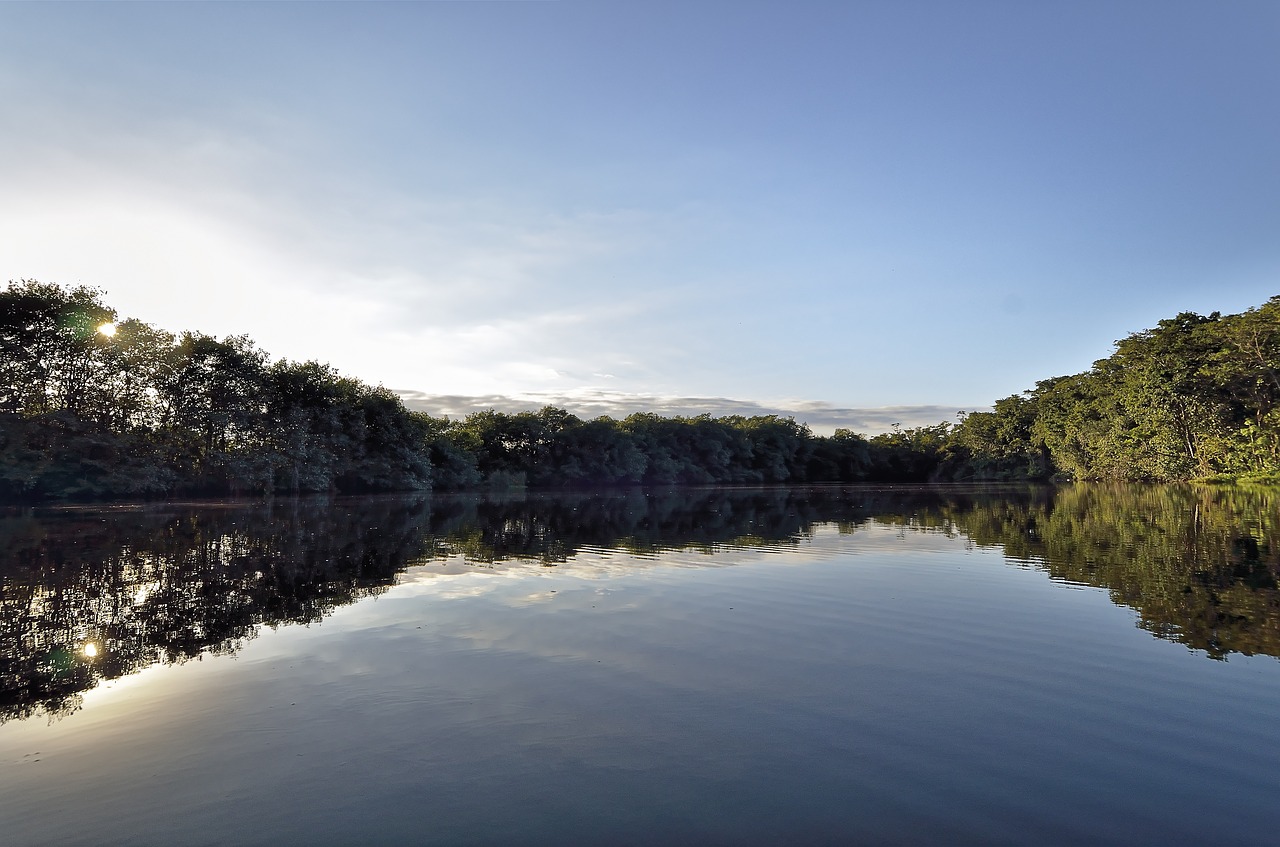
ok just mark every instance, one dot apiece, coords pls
pixel 834 665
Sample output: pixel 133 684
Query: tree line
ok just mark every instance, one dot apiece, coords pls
pixel 95 406
pixel 92 406
pixel 1196 397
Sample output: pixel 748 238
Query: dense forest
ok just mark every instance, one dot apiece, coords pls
pixel 93 406
pixel 1194 398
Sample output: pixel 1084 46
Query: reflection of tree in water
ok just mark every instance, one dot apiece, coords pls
pixel 95 594
pixel 1199 564
pixel 165 584
pixel 168 584
pixel 553 528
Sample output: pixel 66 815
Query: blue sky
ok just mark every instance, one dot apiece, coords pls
pixel 854 212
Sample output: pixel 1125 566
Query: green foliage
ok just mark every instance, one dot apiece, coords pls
pixel 1195 397
pixel 58 454
pixel 51 354
pixel 998 445
pixel 145 413
pixel 84 414
pixel 844 457
pixel 909 455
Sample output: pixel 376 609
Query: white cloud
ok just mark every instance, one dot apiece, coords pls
pixel 822 418
pixel 216 228
pixel 232 218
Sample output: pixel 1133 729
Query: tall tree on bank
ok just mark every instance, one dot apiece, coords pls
pixel 1196 396
pixel 141 412
pixel 94 407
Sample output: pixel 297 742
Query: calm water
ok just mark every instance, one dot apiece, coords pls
pixel 806 666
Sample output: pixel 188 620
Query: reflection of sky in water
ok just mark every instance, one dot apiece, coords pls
pixel 875 686
pixel 823 541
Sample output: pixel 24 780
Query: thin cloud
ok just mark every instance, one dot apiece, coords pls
pixel 823 418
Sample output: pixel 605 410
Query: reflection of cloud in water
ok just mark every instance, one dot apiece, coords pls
pixel 173 583
pixel 457 577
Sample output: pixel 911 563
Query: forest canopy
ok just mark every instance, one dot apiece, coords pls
pixel 1195 397
pixel 95 406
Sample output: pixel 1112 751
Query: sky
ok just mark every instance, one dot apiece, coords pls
pixel 856 213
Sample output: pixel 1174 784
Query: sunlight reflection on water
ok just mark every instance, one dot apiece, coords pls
pixel 859 681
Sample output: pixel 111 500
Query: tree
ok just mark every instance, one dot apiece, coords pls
pixel 51 354
pixel 597 452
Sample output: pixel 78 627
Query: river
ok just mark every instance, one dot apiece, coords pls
pixel 830 665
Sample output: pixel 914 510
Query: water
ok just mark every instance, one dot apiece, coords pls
pixel 835 665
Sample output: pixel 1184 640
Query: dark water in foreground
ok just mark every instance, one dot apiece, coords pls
pixel 837 665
